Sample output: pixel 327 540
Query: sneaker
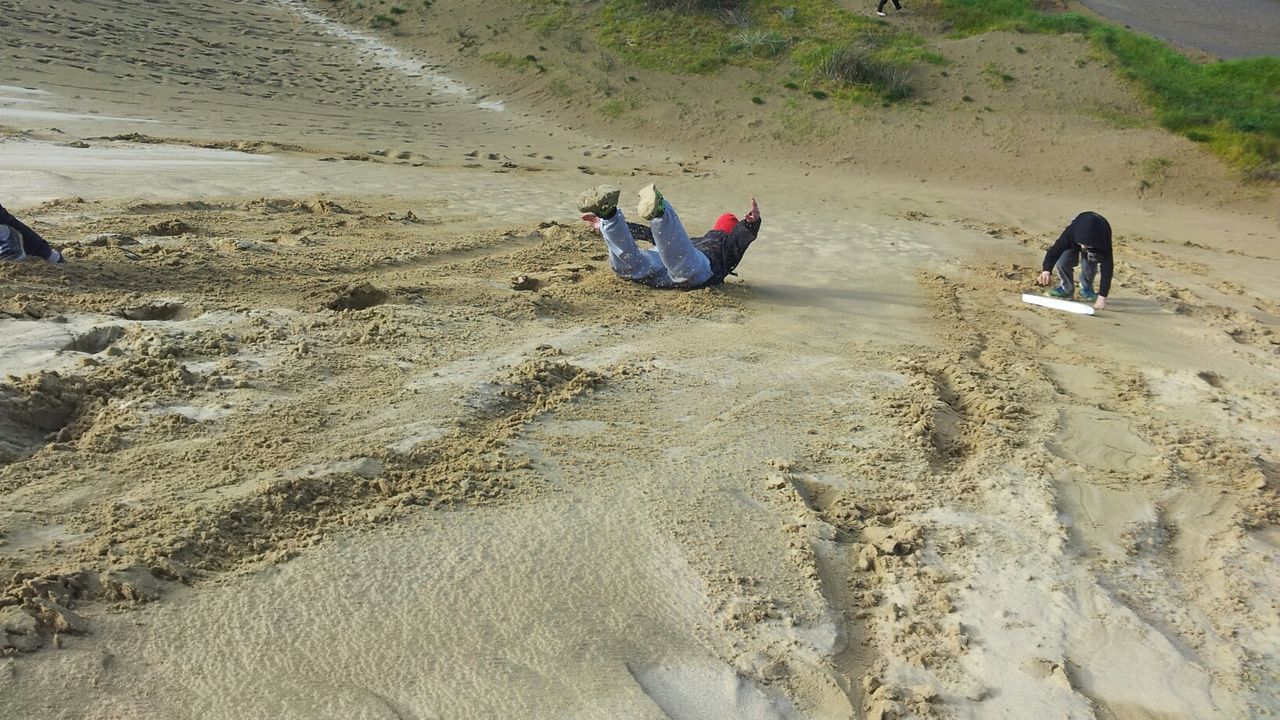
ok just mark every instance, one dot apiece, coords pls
pixel 1088 295
pixel 1059 293
pixel 55 258
pixel 601 200
pixel 651 204
pixel 880 13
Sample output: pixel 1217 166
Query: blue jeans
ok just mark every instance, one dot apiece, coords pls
pixel 1066 270
pixel 674 263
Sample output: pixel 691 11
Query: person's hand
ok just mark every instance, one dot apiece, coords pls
pixel 591 219
pixel 1100 303
pixel 1044 278
pixel 753 214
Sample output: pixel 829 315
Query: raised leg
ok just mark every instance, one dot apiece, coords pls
pixel 686 265
pixel 626 259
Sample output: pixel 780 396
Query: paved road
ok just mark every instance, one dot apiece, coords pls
pixel 1241 28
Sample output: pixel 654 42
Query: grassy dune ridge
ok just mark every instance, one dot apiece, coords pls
pixel 1231 106
pixel 821 48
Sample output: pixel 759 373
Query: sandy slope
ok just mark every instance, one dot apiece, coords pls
pixel 311 453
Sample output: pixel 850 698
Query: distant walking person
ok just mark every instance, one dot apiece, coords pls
pixel 677 261
pixel 17 241
pixel 1087 242
pixel 880 9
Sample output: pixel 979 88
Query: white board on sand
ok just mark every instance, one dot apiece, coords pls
pixel 1057 304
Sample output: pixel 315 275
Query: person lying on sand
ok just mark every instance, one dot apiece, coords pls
pixel 1086 241
pixel 17 241
pixel 677 261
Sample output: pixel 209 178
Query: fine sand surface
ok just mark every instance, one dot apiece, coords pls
pixel 337 412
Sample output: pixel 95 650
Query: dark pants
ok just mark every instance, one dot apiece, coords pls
pixel 1066 270
pixel 18 244
pixel 21 237
pixel 896 5
pixel 33 245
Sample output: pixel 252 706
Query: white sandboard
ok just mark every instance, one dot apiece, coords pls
pixel 1057 304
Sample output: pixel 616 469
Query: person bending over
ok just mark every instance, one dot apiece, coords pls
pixel 1086 242
pixel 676 261
pixel 17 241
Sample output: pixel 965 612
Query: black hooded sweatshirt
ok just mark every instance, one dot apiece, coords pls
pixel 724 250
pixel 1088 233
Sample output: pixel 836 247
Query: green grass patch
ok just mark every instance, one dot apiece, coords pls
pixel 995 77
pixel 839 53
pixel 858 64
pixel 972 17
pixel 616 108
pixel 664 39
pixel 760 43
pixel 697 6
pixel 1152 172
pixel 561 88
pixel 613 109
pixel 551 18
pixel 514 62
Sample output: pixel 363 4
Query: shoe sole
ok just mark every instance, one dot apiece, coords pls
pixel 601 200
pixel 650 201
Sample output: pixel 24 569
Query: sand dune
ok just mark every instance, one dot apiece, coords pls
pixel 337 412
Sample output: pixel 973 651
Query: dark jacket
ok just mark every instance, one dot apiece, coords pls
pixel 1089 233
pixel 31 240
pixel 723 250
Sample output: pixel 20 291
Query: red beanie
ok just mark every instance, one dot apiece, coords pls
pixel 726 223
